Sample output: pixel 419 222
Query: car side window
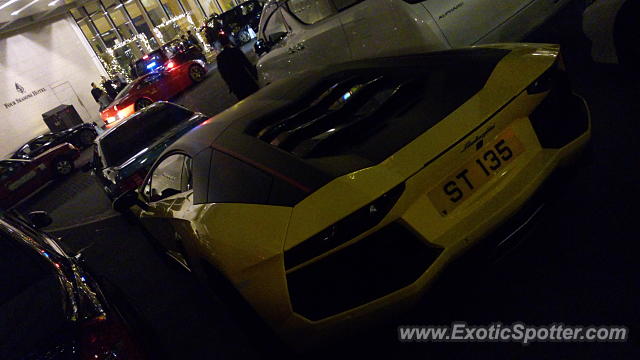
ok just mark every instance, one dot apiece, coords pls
pixel 166 179
pixel 276 28
pixel 311 11
pixel 24 152
pixel 153 78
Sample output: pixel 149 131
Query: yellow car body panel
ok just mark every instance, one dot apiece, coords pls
pixel 246 242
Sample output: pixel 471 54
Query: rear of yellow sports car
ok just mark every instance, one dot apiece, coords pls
pixel 371 241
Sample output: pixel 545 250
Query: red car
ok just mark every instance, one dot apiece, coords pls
pixel 20 178
pixel 164 75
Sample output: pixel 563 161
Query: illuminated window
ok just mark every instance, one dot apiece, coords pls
pixel 210 7
pixel 172 7
pixel 156 14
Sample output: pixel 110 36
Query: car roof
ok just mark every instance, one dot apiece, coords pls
pixel 137 115
pixel 240 118
pixel 237 131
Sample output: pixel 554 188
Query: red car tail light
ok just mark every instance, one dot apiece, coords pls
pixel 134 180
pixel 125 112
pixel 103 338
pixel 171 65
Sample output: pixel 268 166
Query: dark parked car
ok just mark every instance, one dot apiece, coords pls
pixel 239 22
pixel 81 136
pixel 21 178
pixel 50 307
pixel 124 153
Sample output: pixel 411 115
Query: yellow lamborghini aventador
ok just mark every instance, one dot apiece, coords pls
pixel 340 195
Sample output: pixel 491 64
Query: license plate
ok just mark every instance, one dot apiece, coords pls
pixel 486 164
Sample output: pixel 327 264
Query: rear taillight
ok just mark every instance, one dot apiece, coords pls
pixel 562 116
pixel 133 181
pixel 344 230
pixel 170 65
pixel 544 83
pixel 556 76
pixel 106 338
pixel 123 113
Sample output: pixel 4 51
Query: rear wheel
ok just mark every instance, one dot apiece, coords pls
pixel 63 166
pixel 196 73
pixel 142 103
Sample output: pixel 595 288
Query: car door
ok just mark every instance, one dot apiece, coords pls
pixel 18 179
pixel 317 37
pixel 467 22
pixel 377 28
pixel 162 189
pixel 155 86
pixel 274 32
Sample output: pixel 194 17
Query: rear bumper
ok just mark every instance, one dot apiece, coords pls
pixel 512 232
pixel 490 238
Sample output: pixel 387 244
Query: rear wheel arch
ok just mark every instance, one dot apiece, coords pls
pixel 142 103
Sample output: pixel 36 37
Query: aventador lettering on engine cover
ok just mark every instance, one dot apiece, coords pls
pixel 478 140
pixel 450 11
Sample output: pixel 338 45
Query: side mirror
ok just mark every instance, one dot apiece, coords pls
pixel 260 47
pixel 127 200
pixel 39 219
pixel 276 37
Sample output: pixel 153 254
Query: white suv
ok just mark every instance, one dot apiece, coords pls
pixel 297 35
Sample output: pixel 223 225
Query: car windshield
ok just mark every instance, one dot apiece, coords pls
pixel 150 62
pixel 140 131
pixel 25 151
pixel 126 90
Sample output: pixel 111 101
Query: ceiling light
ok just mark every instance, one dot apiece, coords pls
pixel 54 2
pixel 24 7
pixel 8 3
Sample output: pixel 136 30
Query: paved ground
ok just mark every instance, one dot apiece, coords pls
pixel 577 266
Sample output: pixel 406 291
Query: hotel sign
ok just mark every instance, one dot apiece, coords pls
pixel 21 91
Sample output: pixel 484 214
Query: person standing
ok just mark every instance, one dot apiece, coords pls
pixel 109 87
pixel 236 70
pixel 210 35
pixel 193 40
pixel 100 96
